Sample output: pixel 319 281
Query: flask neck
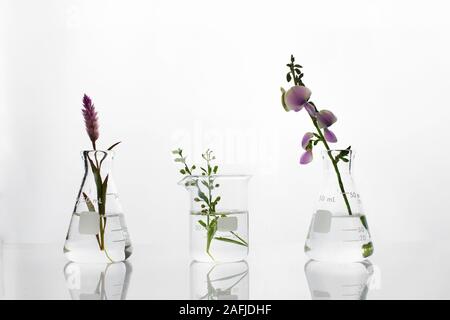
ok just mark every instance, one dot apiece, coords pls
pixel 98 160
pixel 338 160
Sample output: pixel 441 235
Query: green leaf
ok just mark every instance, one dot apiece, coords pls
pixel 205 184
pixel 104 188
pixel 212 228
pixel 203 196
pixel 176 151
pixel 182 171
pixel 230 241
pixel 288 77
pixel 215 169
pixel 203 224
pixel 242 240
pixel 115 144
pixel 367 249
pixel 364 222
pixel 179 160
pixel 97 178
pixel 89 203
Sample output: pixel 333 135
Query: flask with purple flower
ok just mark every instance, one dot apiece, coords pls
pixel 339 230
pixel 97 231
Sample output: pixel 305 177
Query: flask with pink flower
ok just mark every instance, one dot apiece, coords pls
pixel 97 231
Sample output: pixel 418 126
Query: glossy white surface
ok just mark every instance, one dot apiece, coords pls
pixel 401 271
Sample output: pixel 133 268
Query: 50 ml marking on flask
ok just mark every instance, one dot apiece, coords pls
pixel 359 233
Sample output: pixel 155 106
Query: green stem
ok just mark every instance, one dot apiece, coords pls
pixel 335 166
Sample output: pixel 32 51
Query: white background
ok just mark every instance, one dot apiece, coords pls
pixel 200 74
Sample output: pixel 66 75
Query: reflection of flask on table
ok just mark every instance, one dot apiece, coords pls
pixel 98 281
pixel 328 280
pixel 223 281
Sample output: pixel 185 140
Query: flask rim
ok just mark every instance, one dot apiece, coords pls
pixel 107 152
pixel 337 150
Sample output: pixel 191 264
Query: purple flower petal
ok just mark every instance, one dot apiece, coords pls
pixel 325 118
pixel 329 135
pixel 306 138
pixel 296 97
pixel 90 119
pixel 310 108
pixel 306 157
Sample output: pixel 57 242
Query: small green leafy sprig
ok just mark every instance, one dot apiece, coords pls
pixel 207 200
pixel 295 72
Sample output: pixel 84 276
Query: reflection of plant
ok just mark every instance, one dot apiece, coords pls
pixel 207 201
pixel 92 129
pixel 214 292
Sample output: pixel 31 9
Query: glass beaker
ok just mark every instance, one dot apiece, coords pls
pixel 98 281
pixel 97 231
pixel 218 217
pixel 338 281
pixel 338 231
pixel 219 281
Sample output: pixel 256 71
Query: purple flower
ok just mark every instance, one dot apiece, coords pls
pixel 306 157
pixel 329 135
pixel 90 119
pixel 325 118
pixel 310 108
pixel 296 97
pixel 306 138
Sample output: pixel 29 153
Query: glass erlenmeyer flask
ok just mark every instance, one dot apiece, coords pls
pixel 218 217
pixel 338 281
pixel 97 231
pixel 339 231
